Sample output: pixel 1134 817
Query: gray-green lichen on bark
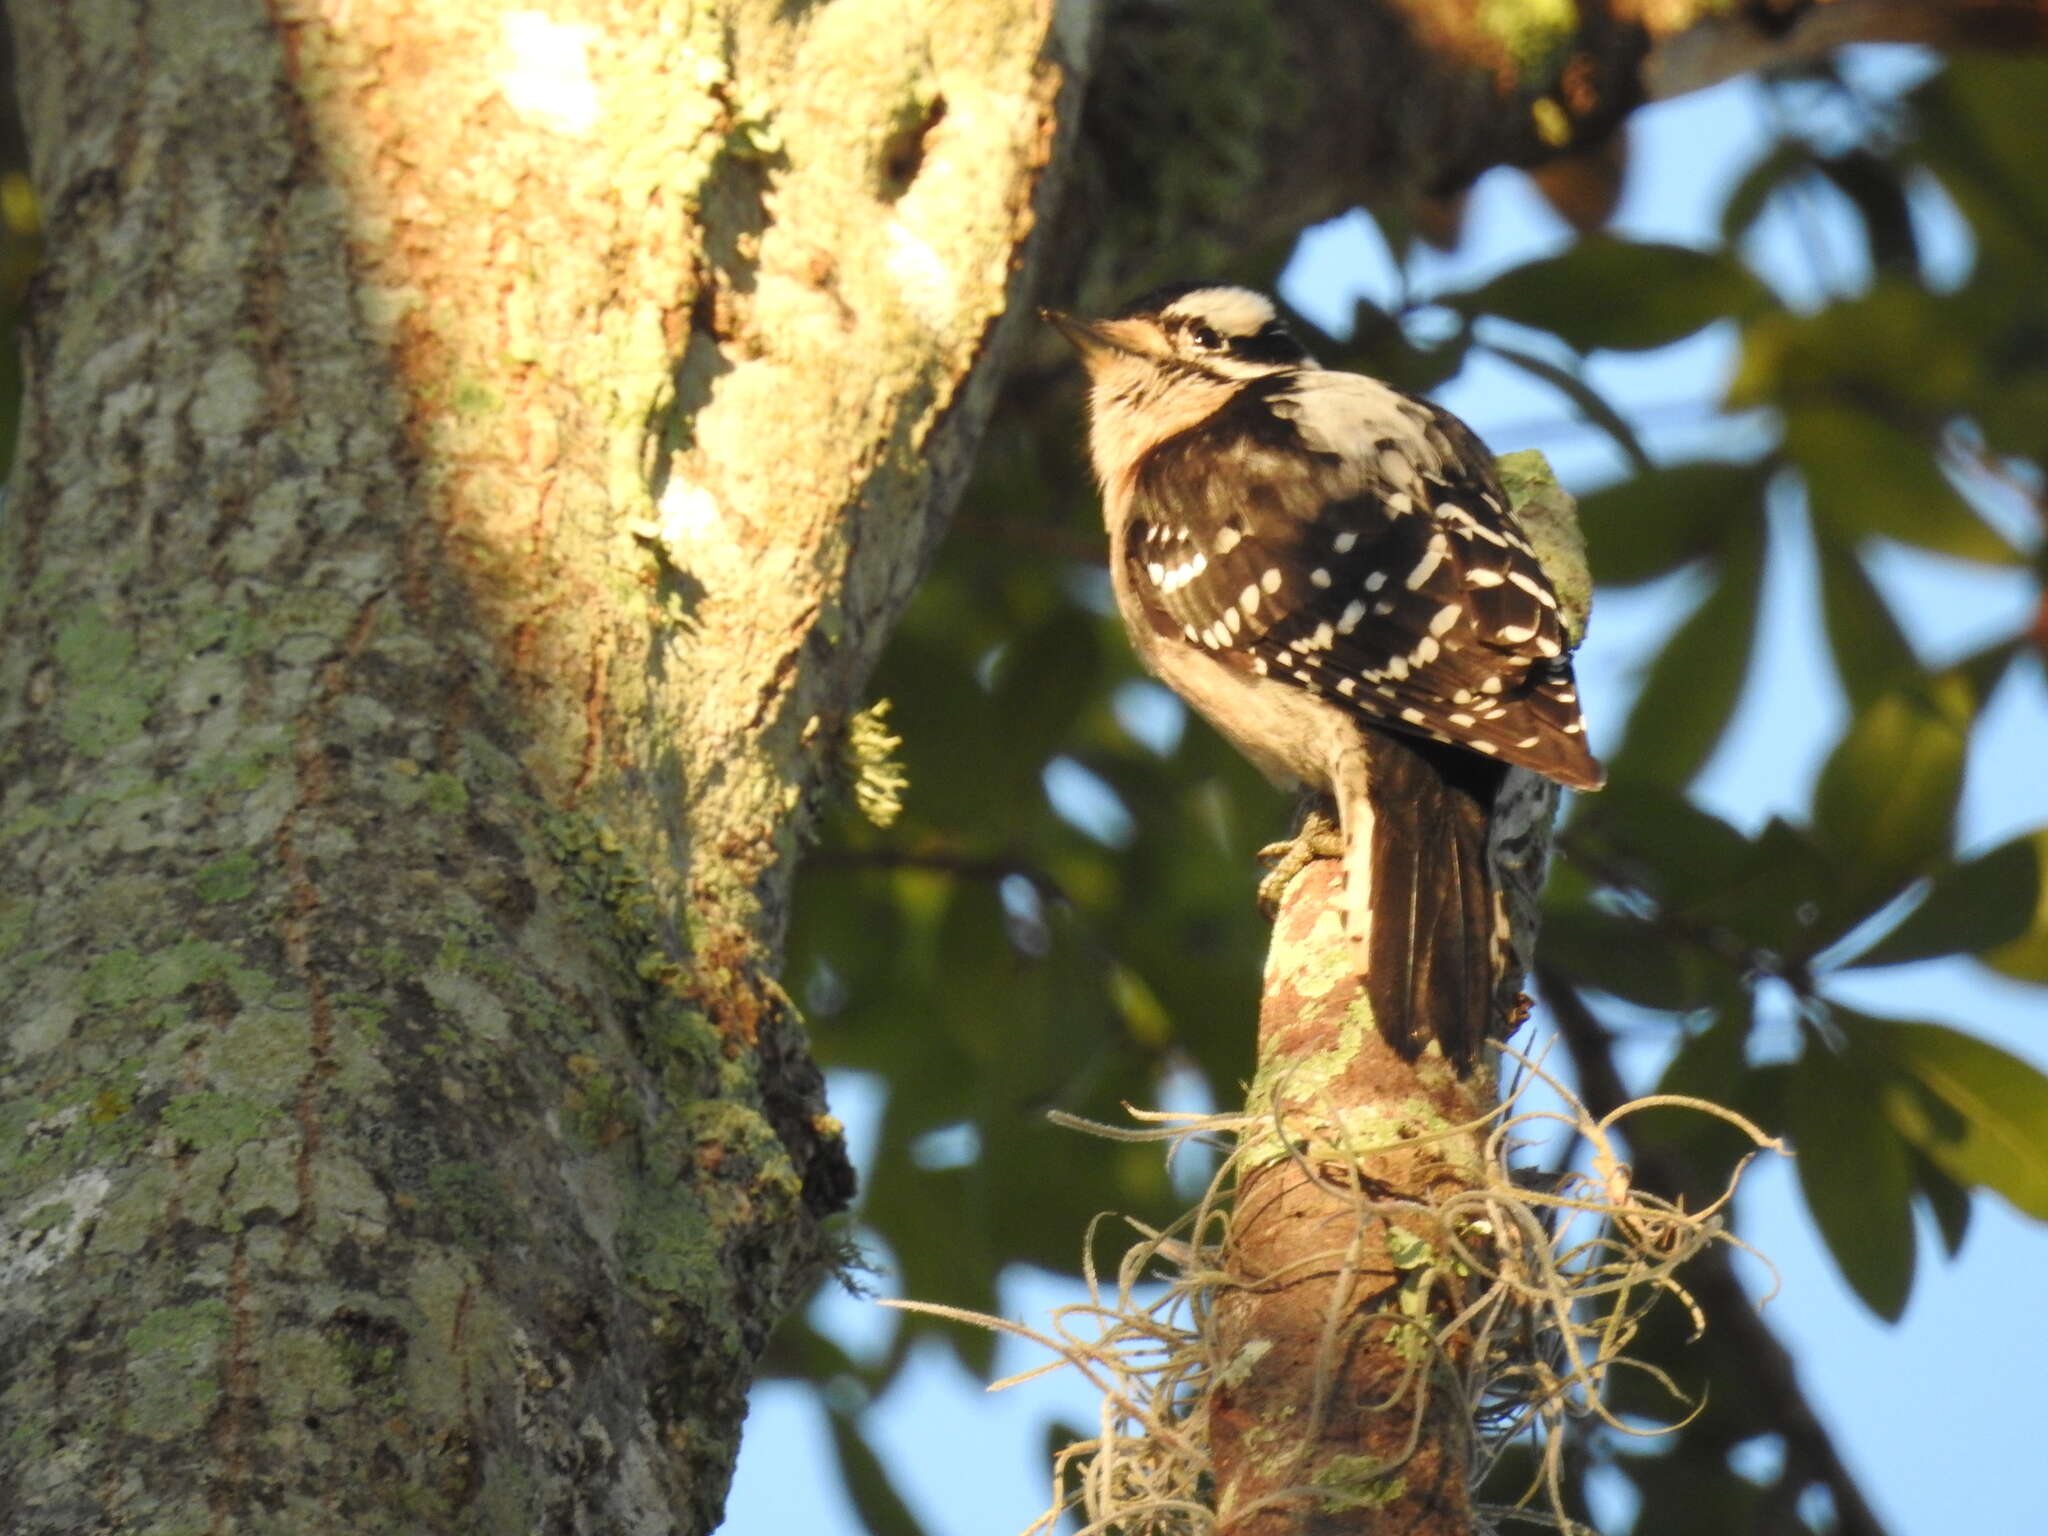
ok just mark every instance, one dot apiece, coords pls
pixel 449 497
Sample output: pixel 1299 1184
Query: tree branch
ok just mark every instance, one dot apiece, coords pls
pixel 1330 1398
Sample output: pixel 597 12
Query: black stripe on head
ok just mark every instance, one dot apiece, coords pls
pixel 1273 344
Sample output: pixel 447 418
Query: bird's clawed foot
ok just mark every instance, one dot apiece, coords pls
pixel 1318 837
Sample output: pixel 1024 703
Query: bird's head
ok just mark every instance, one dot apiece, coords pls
pixel 1170 359
pixel 1211 329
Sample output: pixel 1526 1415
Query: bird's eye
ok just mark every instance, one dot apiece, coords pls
pixel 1205 338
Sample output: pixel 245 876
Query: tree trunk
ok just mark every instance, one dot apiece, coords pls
pixel 471 460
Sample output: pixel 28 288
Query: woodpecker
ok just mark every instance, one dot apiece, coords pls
pixel 1326 569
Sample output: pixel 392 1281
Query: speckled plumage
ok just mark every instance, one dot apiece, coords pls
pixel 1326 569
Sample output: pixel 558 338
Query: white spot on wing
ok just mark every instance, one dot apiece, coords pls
pixel 1432 557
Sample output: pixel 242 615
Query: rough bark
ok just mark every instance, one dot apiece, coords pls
pixel 1316 1423
pixel 471 459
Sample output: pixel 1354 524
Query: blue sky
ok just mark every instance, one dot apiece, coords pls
pixel 1931 1414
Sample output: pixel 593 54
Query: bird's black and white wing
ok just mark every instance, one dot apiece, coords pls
pixel 1326 531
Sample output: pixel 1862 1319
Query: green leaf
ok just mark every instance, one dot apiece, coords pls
pixel 1874 186
pixel 1865 476
pixel 2026 957
pixel 1693 687
pixel 1947 1202
pixel 1979 1113
pixel 1885 805
pixel 1870 651
pixel 875 1499
pixel 1786 899
pixel 1989 901
pixel 1380 348
pixel 1623 295
pixel 1651 524
pixel 1624 957
pixel 1713 1064
pixel 1655 840
pixel 1788 160
pixel 1979 127
pixel 1691 1496
pixel 1045 680
pixel 1894 353
pixel 1593 405
pixel 1856 1173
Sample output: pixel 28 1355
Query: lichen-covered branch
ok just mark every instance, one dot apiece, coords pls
pixel 1332 1401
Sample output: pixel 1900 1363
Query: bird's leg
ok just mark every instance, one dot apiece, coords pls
pixel 1317 835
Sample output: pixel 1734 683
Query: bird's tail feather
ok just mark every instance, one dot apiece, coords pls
pixel 1417 897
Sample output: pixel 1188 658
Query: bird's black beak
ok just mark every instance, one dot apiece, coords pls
pixel 1097 341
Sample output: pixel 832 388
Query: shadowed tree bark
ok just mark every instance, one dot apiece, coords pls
pixel 471 460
